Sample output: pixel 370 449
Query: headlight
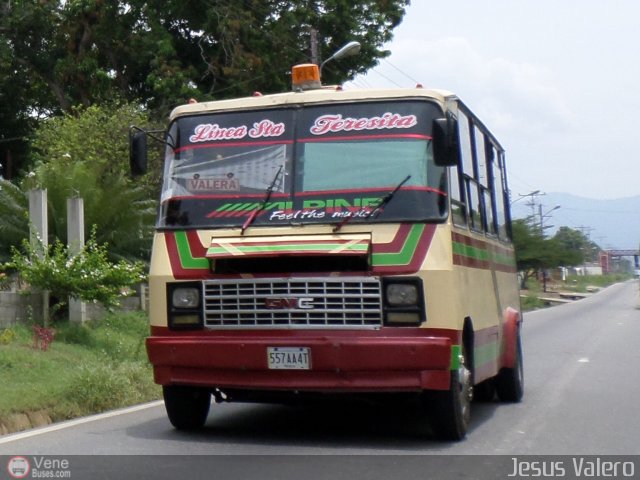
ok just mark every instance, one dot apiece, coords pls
pixel 185 297
pixel 185 305
pixel 402 294
pixel 403 302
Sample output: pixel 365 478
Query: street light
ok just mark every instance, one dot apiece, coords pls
pixel 532 194
pixel 545 215
pixel 348 50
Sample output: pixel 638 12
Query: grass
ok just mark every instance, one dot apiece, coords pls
pixel 576 283
pixel 87 369
pixel 580 284
pixel 531 302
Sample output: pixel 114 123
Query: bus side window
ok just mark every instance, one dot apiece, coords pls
pixel 475 204
pixel 456 193
pixel 466 147
pixel 483 155
pixel 500 195
pixel 461 201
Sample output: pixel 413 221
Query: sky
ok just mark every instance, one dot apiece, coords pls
pixel 556 81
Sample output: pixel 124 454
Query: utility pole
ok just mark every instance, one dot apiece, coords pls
pixel 545 215
pixel 531 203
pixel 542 227
pixel 586 231
pixel 314 46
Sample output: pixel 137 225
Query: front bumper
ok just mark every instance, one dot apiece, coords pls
pixel 390 360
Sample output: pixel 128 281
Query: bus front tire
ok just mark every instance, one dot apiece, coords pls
pixel 450 410
pixel 187 407
pixel 510 381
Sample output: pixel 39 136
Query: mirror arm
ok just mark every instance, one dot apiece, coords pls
pixel 152 134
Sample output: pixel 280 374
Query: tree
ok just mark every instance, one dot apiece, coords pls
pixel 14 218
pixel 84 153
pixel 56 54
pixel 88 275
pixel 577 242
pixel 535 252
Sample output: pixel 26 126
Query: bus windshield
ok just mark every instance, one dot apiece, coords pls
pixel 315 164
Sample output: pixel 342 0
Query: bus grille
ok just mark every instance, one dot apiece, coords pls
pixel 353 302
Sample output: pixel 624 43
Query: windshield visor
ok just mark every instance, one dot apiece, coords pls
pixel 315 164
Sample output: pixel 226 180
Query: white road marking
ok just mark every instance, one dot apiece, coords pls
pixel 72 423
pixel 583 360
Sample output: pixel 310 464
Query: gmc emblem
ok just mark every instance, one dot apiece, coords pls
pixel 303 303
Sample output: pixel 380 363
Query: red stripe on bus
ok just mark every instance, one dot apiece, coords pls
pixel 233 144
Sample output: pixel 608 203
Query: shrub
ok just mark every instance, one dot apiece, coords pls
pixel 108 386
pixel 88 275
pixel 6 336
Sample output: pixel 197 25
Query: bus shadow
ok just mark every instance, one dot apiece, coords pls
pixel 396 427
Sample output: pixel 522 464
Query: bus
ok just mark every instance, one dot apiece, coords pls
pixel 330 242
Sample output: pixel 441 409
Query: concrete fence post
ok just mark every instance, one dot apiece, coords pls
pixel 39 233
pixel 75 243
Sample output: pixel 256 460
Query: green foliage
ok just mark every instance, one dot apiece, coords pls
pixel 6 336
pixel 535 252
pixel 581 283
pixel 163 52
pixel 14 217
pixel 88 275
pixel 576 241
pixel 96 388
pixel 531 302
pixel 77 376
pixel 156 54
pixel 5 281
pixel 85 154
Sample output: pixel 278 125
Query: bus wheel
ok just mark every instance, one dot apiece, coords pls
pixel 510 381
pixel 485 391
pixel 187 407
pixel 451 409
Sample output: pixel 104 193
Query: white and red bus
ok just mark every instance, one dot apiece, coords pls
pixel 326 242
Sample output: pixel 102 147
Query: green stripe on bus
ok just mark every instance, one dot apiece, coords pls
pixel 224 207
pixel 404 256
pixel 482 355
pixel 481 254
pixel 292 247
pixel 456 351
pixel 469 251
pixel 485 354
pixel 508 260
pixel 184 251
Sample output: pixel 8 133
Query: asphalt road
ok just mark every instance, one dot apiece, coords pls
pixel 581 398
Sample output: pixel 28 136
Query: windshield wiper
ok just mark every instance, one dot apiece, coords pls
pixel 267 197
pixel 386 199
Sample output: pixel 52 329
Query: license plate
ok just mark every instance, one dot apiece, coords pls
pixel 289 358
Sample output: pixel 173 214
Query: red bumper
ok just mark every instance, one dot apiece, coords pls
pixel 353 361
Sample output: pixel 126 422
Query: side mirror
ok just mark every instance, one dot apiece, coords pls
pixel 138 153
pixel 446 144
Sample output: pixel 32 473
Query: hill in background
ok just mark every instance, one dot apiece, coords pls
pixel 612 224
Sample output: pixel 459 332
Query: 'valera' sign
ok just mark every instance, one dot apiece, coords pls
pixel 214 183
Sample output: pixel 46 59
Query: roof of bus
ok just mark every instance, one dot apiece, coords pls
pixel 323 95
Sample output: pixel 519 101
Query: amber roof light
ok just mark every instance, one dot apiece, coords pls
pixel 305 76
